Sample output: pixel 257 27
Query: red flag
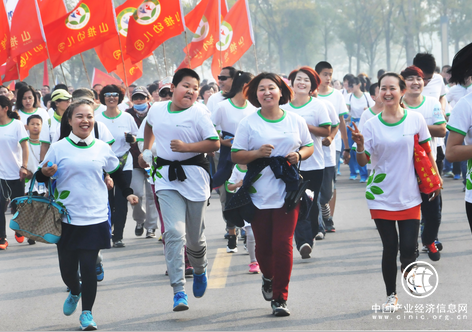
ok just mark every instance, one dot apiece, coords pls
pixel 25 62
pixel 236 37
pixel 51 9
pixel 89 24
pixel 26 28
pixel 99 77
pixel 133 71
pixel 194 18
pixel 12 86
pixel 153 23
pixel 45 74
pixel 109 52
pixel 204 40
pixel 4 34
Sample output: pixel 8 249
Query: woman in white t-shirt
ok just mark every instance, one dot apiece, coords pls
pixel 304 82
pixel 78 162
pixel 272 132
pixel 13 163
pixel 124 129
pixel 392 192
pixel 60 101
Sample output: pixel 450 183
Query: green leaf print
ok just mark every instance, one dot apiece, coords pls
pixel 376 190
pixel 160 167
pixel 379 178
pixel 64 194
pixel 56 194
pixel 159 175
pixel 257 177
pixel 469 185
pixel 252 190
pixel 370 179
pixel 369 195
pixel 62 205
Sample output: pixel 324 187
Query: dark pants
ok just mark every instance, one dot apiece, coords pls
pixel 273 230
pixel 69 265
pixel 307 222
pixel 8 189
pixel 468 209
pixel 408 241
pixel 119 208
pixel 430 218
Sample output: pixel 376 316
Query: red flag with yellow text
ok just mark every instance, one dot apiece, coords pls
pixel 206 35
pixel 236 37
pixel 133 71
pixel 99 77
pixel 4 34
pixel 25 62
pixel 154 22
pixel 88 25
pixel 109 52
pixel 194 18
pixel 51 10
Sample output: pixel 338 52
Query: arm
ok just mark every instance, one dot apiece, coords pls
pixel 25 154
pixel 358 138
pixel 323 131
pixel 330 138
pixel 245 157
pixel 147 145
pixel 438 130
pixel 443 102
pixel 234 186
pixel 44 150
pixel 455 151
pixel 204 146
pixel 342 128
pixel 305 152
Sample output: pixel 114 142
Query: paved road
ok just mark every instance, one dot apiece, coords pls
pixel 334 290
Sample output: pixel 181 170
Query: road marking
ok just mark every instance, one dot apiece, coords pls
pixel 219 270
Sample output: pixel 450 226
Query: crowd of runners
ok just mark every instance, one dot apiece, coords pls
pixel 250 138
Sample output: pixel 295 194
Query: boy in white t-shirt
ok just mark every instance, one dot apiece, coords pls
pixel 183 132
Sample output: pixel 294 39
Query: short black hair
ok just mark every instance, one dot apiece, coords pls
pixel 60 86
pixel 112 88
pixel 348 77
pixel 232 71
pixel 380 73
pixel 372 89
pixel 153 87
pixel 239 80
pixel 19 85
pixel 46 98
pixel 184 72
pixel 426 62
pixel 322 65
pixel 34 116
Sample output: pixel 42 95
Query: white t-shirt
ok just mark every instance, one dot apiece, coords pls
pixel 54 124
pixel 393 186
pixel 44 135
pixel 118 126
pixel 456 92
pixel 214 100
pixel 100 109
pixel 336 98
pixel 315 113
pixel 103 133
pixel 287 134
pixel 461 122
pixel 237 175
pixel 11 135
pixel 34 150
pixel 430 108
pixel 190 126
pixel 435 88
pixel 365 116
pixel 227 115
pixel 359 105
pixel 79 179
pixel 330 151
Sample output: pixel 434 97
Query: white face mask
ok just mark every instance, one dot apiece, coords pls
pixel 141 109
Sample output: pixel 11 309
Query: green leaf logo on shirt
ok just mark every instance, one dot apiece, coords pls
pixel 372 190
pixel 62 195
pixel 253 190
pixel 469 175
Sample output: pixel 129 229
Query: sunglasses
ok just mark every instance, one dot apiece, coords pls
pixel 164 93
pixel 223 78
pixel 111 94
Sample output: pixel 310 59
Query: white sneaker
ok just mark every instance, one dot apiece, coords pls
pixel 319 236
pixel 391 304
pixel 305 251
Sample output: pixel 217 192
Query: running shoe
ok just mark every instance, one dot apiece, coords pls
pixel 232 246
pixel 188 271
pixel 100 272
pixel 180 301
pixel 3 244
pixel 267 289
pixel 19 238
pixel 118 244
pixel 200 282
pixel 71 304
pixel 319 236
pixel 86 321
pixel 363 180
pixel 139 230
pixel 30 241
pixel 433 252
pixel 279 308
pixel 457 177
pixel 305 251
pixel 329 224
pixel 150 233
pixel 353 177
pixel 391 304
pixel 448 175
pixel 254 268
pixel 438 244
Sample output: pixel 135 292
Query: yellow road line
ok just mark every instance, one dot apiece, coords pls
pixel 219 270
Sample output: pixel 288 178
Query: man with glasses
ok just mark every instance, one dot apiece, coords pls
pixel 164 89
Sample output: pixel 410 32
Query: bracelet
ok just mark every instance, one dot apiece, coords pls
pixel 24 167
pixel 299 156
pixel 347 150
pixel 360 152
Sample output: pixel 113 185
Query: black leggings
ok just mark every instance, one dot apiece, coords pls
pixel 9 189
pixel 119 207
pixel 69 265
pixel 468 210
pixel 408 242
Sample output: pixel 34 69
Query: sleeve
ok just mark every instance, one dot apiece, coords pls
pixel 443 87
pixel 149 118
pixel 140 135
pixel 423 131
pixel 133 126
pixel 332 114
pixel 104 133
pixel 305 136
pixel 342 107
pixel 22 134
pixel 205 127
pixel 438 117
pixel 44 134
pixel 323 116
pixel 216 117
pixel 460 120
pixel 368 139
pixel 234 176
pixel 362 120
pixel 241 138
pixel 50 156
pixel 348 99
pixel 111 161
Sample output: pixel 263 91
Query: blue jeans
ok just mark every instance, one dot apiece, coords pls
pixel 353 165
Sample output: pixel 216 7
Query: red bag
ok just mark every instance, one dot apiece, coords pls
pixel 428 179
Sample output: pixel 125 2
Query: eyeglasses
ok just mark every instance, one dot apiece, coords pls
pixel 223 78
pixel 164 93
pixel 111 94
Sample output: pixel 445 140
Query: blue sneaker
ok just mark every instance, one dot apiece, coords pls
pixel 180 301
pixel 86 321
pixel 352 177
pixel 71 304
pixel 199 284
pixel 363 180
pixel 457 177
pixel 100 272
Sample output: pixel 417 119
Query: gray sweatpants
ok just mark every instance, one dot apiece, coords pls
pixel 184 223
pixel 142 188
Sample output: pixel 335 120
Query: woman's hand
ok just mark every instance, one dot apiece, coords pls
pixel 327 141
pixel 265 150
pixel 227 142
pixel 109 182
pixel 357 137
pixel 49 170
pixel 292 158
pixel 23 173
pixel 133 199
pixel 29 175
pixel 177 145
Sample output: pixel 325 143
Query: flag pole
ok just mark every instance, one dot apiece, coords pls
pixel 62 69
pixel 52 71
pixel 63 75
pixel 188 55
pixel 18 71
pixel 155 61
pixel 255 57
pixel 123 62
pixel 86 72
pixel 165 58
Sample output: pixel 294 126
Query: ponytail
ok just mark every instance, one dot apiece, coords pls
pixel 6 102
pixel 13 115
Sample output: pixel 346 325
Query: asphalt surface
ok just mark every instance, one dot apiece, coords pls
pixel 337 289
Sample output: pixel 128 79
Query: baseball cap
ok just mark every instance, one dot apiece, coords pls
pixel 60 94
pixel 140 90
pixel 165 83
